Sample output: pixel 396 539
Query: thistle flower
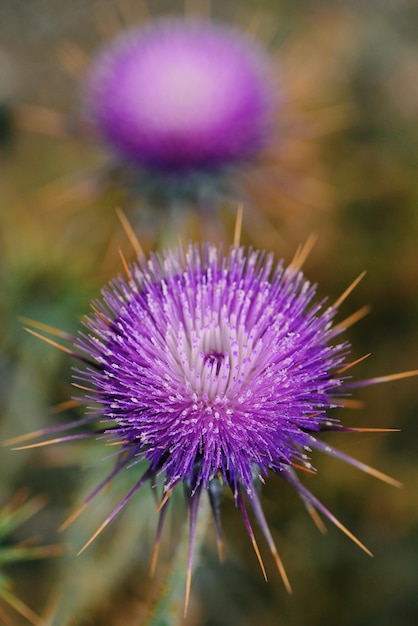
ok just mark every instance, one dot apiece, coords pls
pixel 216 370
pixel 181 95
pixel 248 129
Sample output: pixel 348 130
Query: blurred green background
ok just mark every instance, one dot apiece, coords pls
pixel 346 170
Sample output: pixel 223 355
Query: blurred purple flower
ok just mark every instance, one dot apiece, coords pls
pixel 216 370
pixel 178 95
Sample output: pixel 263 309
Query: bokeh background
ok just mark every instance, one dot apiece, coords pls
pixel 346 170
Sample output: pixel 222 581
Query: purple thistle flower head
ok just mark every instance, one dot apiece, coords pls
pixel 181 95
pixel 207 367
pixel 215 370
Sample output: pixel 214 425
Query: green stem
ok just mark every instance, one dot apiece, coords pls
pixel 169 608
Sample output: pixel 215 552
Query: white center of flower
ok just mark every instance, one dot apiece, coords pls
pixel 182 92
pixel 183 96
pixel 214 357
